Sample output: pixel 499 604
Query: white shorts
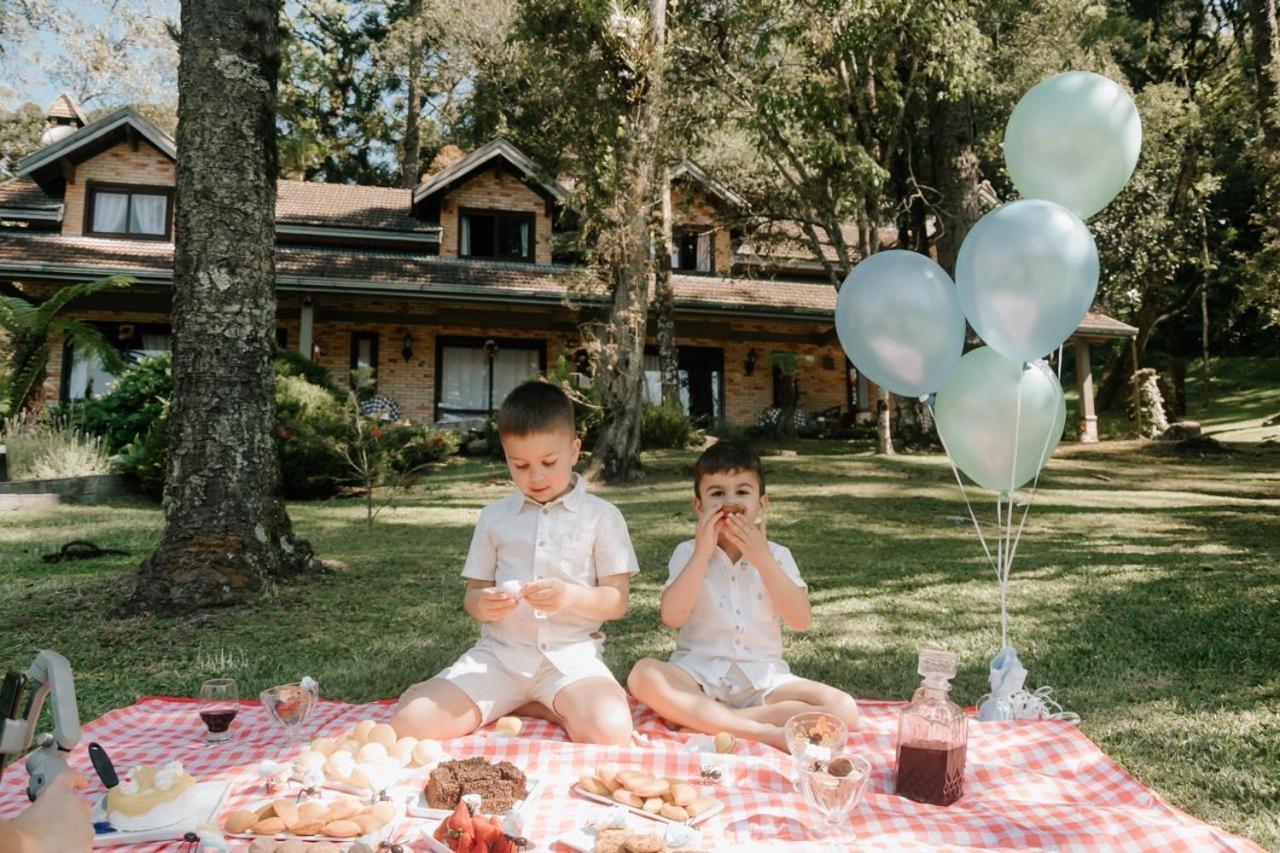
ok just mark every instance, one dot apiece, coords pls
pixel 736 689
pixel 497 690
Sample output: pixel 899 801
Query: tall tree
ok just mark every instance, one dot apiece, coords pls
pixel 227 535
pixel 620 375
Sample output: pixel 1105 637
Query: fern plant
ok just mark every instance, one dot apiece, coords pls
pixel 28 326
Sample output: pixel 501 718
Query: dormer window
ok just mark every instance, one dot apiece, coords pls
pixel 691 252
pixel 127 211
pixel 495 234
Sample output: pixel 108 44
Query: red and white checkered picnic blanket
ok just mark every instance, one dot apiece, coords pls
pixel 1027 785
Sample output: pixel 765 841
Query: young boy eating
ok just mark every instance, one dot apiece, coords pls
pixel 728 589
pixel 548 564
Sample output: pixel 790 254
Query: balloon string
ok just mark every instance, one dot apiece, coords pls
pixel 963 492
pixel 1035 483
pixel 1007 551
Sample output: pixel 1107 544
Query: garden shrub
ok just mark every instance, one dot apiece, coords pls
pixel 310 423
pixel 422 446
pixel 292 363
pixel 665 426
pixel 135 402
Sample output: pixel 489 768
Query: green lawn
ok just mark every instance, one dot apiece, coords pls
pixel 1146 593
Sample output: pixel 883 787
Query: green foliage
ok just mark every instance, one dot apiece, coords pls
pixel 293 363
pixel 28 326
pixel 588 407
pixel 310 423
pixel 144 459
pixel 421 446
pixel 665 426
pixel 20 131
pixel 136 401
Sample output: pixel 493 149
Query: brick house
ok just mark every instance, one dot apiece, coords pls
pixel 447 294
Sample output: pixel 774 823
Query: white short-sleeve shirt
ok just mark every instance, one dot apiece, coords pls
pixel 578 537
pixel 733 620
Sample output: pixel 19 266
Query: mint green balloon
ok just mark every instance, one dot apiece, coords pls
pixel 1073 139
pixel 977 409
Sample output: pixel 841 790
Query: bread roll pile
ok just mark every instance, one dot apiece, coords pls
pixel 369 755
pixel 672 799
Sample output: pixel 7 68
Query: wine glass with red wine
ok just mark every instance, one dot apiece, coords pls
pixel 219 702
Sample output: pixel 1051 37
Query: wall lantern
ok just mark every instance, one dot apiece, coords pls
pixel 749 366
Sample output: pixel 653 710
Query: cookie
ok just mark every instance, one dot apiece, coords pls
pixel 268 826
pixel 342 829
pixel 311 811
pixel 308 827
pixel 682 793
pixel 653 805
pixel 699 806
pixel 342 809
pixel 592 785
pixel 287 811
pixel 629 778
pixel 240 821
pixel 671 812
pixel 262 845
pixel 384 810
pixel 646 788
pixel 608 774
pixel 293 845
pixel 368 823
pixel 622 795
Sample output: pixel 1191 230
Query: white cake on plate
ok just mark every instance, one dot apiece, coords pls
pixel 151 798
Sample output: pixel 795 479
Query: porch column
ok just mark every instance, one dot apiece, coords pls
pixel 305 327
pixel 1084 382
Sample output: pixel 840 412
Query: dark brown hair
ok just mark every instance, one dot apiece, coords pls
pixel 535 406
pixel 724 456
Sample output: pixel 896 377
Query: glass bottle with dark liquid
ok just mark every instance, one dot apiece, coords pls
pixel 933 732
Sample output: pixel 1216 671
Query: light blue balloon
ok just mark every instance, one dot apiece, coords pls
pixel 977 410
pixel 900 322
pixel 1073 139
pixel 1026 275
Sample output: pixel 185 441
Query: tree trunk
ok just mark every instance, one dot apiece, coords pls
pixel 226 535
pixel 665 297
pixel 956 175
pixel 616 456
pixel 884 438
pixel 1266 69
pixel 410 165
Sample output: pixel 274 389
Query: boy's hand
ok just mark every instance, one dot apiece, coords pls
pixel 547 594
pixel 493 604
pixel 747 538
pixel 708 532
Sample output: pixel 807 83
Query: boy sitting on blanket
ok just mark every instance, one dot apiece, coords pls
pixel 548 564
pixel 728 588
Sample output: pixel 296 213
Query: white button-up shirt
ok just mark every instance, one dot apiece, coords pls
pixel 733 620
pixel 577 538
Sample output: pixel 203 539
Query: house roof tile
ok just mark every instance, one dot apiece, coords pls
pixel 24 193
pixel 349 205
pixel 406 273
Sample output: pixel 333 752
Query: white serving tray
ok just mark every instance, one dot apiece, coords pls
pixel 207 802
pixel 419 807
pixel 610 801
pixel 372 839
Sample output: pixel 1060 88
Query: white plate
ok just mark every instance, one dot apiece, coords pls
pixel 372 839
pixel 419 808
pixel 583 841
pixel 400 780
pixel 206 803
pixel 610 801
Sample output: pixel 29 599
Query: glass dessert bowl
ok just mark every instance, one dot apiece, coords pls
pixel 289 705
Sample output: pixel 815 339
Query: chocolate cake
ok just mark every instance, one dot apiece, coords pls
pixel 499 785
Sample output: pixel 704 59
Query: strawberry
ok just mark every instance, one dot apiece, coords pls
pixel 503 844
pixel 485 833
